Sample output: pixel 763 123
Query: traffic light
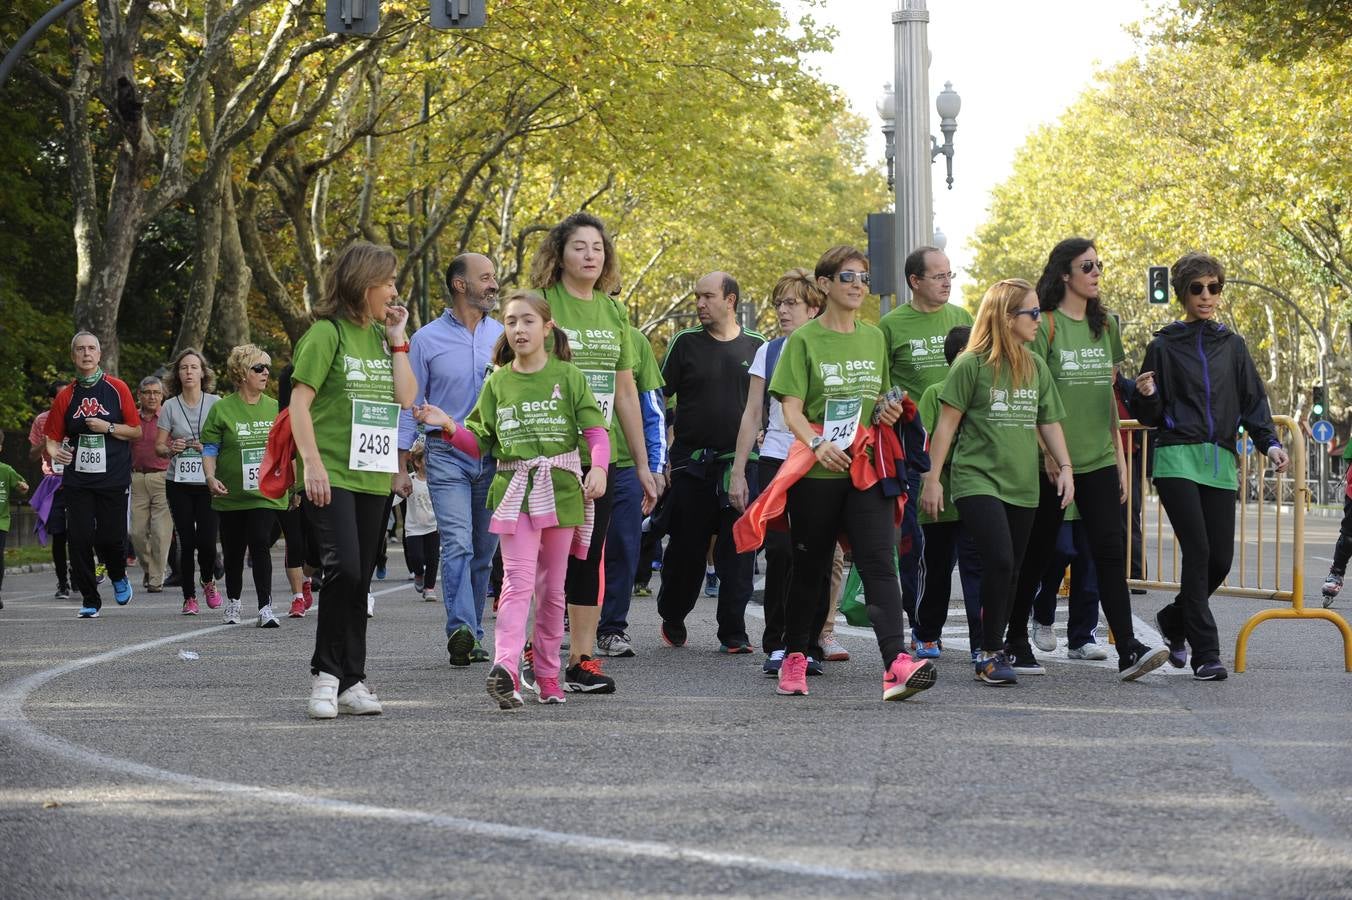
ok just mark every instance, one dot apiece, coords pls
pixel 459 13
pixel 1157 284
pixel 352 16
pixel 1320 401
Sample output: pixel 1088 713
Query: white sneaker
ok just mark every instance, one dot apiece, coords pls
pixel 358 701
pixel 1044 638
pixel 324 696
pixel 834 651
pixel 1088 651
pixel 267 618
pixel 231 614
pixel 370 608
pixel 431 595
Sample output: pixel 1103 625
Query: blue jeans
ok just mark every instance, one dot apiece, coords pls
pixel 459 489
pixel 908 562
pixel 622 541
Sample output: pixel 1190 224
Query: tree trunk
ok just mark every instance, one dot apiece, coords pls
pixel 206 201
pixel 231 318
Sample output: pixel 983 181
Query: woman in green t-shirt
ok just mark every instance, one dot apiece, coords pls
pixel 831 374
pixel 573 269
pixel 1079 341
pixel 351 376
pixel 534 413
pixel 1002 396
pixel 1198 386
pixel 233 438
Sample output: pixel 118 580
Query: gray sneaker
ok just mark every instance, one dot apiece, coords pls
pixel 1044 638
pixel 230 615
pixel 1087 651
pixel 614 645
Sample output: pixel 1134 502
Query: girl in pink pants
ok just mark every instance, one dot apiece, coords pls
pixel 533 415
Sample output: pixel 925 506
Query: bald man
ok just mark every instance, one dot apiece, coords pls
pixel 706 371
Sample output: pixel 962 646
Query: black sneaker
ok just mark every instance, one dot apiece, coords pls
pixel 1178 647
pixel 459 645
pixel 814 666
pixel 1023 662
pixel 502 688
pixel 1139 660
pixel 528 668
pixel 1210 671
pixel 587 678
pixel 673 634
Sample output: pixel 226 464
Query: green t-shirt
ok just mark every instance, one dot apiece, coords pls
pixel 1082 367
pixel 598 334
pixel 1207 464
pixel 647 377
pixel 522 416
pixel 996 452
pixel 928 410
pixel 241 432
pixel 361 375
pixel 9 480
pixel 838 376
pixel 915 341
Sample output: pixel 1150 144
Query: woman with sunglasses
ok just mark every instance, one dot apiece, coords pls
pixel 1082 348
pixel 1198 385
pixel 233 439
pixel 832 373
pixel 1003 399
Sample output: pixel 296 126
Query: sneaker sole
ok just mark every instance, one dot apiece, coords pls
pixel 503 690
pixel 1074 654
pixel 922 679
pixel 736 650
pixel 837 657
pixel 1220 676
pixel 322 713
pixel 791 693
pixel 577 687
pixel 662 633
pixel 615 654
pixel 458 648
pixel 1036 670
pixel 548 701
pixel 270 623
pixel 1145 664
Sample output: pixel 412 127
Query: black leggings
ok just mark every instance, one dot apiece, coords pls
pixel 59 559
pixel 1203 521
pixel 348 533
pixel 820 510
pixel 422 553
pixel 582 584
pixel 1000 532
pixel 778 570
pixel 249 529
pixel 196 524
pixel 1098 497
pixel 301 549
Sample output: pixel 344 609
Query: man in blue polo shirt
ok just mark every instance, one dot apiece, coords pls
pixel 451 356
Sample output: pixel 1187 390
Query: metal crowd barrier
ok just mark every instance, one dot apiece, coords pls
pixel 1271 507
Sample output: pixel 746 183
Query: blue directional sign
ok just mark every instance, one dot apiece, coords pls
pixel 1244 446
pixel 1322 431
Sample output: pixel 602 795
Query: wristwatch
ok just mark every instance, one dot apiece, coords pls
pixel 817 441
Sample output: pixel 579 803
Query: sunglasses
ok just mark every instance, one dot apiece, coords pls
pixel 848 277
pixel 1213 288
pixel 260 368
pixel 1090 265
pixel 1035 313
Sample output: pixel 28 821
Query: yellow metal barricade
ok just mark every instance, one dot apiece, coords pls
pixel 1271 510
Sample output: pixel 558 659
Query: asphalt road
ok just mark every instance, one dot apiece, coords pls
pixel 128 771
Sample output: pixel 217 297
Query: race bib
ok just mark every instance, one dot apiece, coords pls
pixel 188 467
pixel 375 437
pixel 842 421
pixel 602 386
pixel 92 454
pixel 251 461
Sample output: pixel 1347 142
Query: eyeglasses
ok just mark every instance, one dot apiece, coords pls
pixel 1035 313
pixel 786 303
pixel 1213 288
pixel 849 277
pixel 260 368
pixel 1090 265
pixel 939 277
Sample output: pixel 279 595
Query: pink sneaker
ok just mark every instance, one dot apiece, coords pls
pixel 308 591
pixel 297 608
pixel 550 692
pixel 212 596
pixel 907 676
pixel 793 675
pixel 190 606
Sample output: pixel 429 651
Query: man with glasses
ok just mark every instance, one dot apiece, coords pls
pixel 706 370
pixel 915 335
pixel 152 526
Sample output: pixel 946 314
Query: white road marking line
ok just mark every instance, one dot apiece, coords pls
pixel 15 722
